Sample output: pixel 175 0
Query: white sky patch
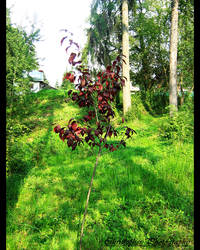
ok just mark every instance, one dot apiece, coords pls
pixel 50 17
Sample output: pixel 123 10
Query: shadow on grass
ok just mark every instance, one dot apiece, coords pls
pixel 151 181
pixel 124 192
pixel 27 156
pixel 115 196
pixel 37 111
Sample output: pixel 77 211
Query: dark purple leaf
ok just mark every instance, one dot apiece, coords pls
pixel 57 129
pixel 63 39
pixel 71 58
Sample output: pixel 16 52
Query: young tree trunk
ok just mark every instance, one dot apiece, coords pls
pixel 88 197
pixel 173 58
pixel 125 52
pixel 90 188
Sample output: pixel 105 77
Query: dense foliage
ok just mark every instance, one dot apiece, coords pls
pixel 149 28
pixel 97 95
pixel 20 59
pixel 181 126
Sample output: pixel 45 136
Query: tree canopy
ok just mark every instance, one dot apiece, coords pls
pixel 20 58
pixel 149 37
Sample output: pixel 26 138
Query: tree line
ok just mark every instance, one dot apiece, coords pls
pixel 159 46
pixel 138 29
pixel 21 57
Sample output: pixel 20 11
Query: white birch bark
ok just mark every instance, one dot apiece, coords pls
pixel 125 51
pixel 173 59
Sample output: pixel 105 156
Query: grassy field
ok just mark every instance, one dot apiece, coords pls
pixel 142 196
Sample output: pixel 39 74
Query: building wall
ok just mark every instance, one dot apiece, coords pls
pixel 36 87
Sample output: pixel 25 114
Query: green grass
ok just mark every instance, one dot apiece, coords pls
pixel 142 196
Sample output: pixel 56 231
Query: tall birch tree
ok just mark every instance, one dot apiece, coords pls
pixel 173 58
pixel 125 52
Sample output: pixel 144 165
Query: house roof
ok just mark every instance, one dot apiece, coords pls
pixel 37 76
pixel 134 88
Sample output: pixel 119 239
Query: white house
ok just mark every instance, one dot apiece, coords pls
pixel 134 88
pixel 35 87
pixel 37 82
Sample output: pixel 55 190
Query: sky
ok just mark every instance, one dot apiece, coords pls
pixel 50 17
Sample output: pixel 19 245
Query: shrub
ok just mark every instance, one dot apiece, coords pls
pixel 137 108
pixel 17 129
pixel 180 126
pixel 155 101
pixel 19 158
pixel 67 84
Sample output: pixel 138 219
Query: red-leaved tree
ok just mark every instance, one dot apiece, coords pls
pixel 98 96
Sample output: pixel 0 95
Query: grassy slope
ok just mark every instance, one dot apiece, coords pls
pixel 142 196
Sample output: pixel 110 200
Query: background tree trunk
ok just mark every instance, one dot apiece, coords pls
pixel 173 58
pixel 125 51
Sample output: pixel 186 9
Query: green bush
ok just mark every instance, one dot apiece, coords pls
pixel 180 126
pixel 17 129
pixel 19 157
pixel 137 108
pixel 67 85
pixel 155 101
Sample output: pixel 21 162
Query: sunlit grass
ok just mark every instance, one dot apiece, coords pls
pixel 142 196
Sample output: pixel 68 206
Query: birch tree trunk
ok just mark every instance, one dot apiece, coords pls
pixel 125 51
pixel 173 58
